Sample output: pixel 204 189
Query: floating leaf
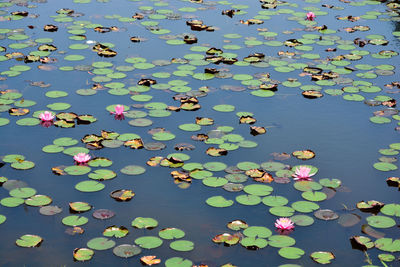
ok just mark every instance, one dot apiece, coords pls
pixel 177 261
pixel 361 242
pixel 322 257
pixel 148 242
pixel 114 231
pixel 126 250
pixel 388 244
pixel 83 254
pixel 326 215
pixel 29 241
pixel 380 221
pixel 280 241
pixel 75 220
pixel 182 245
pixel 147 223
pixel 219 202
pixel 100 243
pixel 227 239
pixel 291 253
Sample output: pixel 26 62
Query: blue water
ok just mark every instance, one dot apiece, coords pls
pixel 346 143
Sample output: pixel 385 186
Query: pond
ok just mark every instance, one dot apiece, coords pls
pixel 183 133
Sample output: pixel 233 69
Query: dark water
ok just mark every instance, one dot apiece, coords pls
pixel 345 141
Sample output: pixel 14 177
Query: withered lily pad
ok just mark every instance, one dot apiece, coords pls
pixel 122 195
pixel 237 225
pixel 226 239
pixel 322 257
pixel 83 254
pixel 361 242
pixel 326 215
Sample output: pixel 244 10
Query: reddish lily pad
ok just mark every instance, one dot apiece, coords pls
pixel 126 250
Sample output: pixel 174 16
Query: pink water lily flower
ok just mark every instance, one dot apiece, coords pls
pixel 302 173
pixel 310 16
pixel 46 116
pixel 119 110
pixel 82 158
pixel 284 224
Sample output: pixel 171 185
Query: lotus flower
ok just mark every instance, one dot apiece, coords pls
pixel 46 116
pixel 284 224
pixel 119 110
pixel 310 16
pixel 81 158
pixel 302 173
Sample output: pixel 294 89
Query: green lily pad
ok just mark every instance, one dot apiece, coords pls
pixel 23 165
pixel 29 241
pixel 322 257
pixel 100 243
pixel 182 245
pixel 307 186
pixel 28 122
pixel 248 200
pixel 171 233
pixel 389 209
pixel 305 206
pixel 332 183
pixel 257 232
pixel 102 174
pixel 219 202
pixel 282 211
pixel 72 151
pixel 2 218
pixel 275 201
pixel 258 189
pixel 388 244
pixel 83 254
pixel 133 170
pixel 74 220
pixel 302 220
pixel 314 196
pixel 148 242
pixel 89 186
pixel 11 202
pixel 280 241
pixel 291 253
pixel 146 223
pixel 22 192
pixel 253 243
pixel 380 221
pixel 214 181
pixel 52 149
pixel 385 166
pixel 178 262
pixel 114 231
pixel 224 108
pixel 77 170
